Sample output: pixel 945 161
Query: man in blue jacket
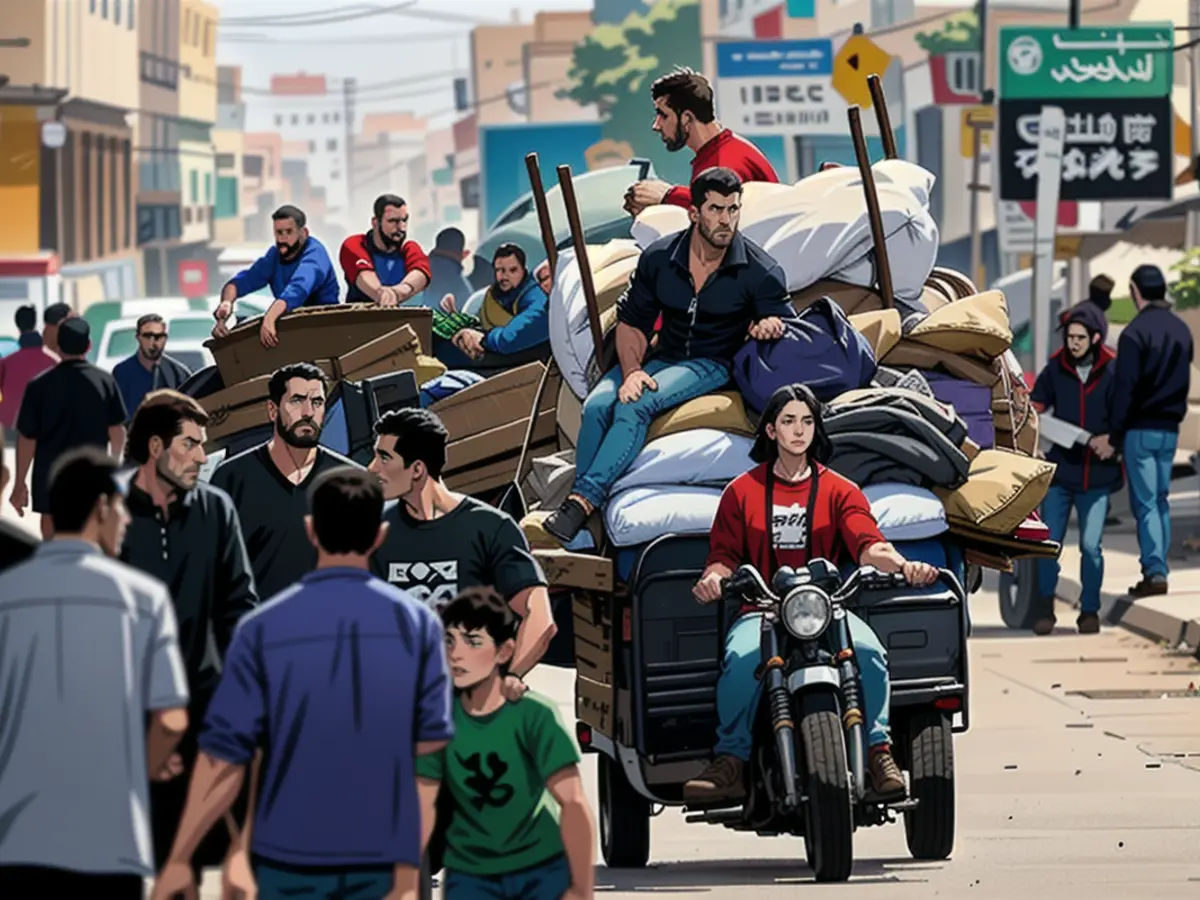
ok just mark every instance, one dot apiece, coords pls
pixel 1153 374
pixel 297 269
pixel 1078 386
pixel 514 326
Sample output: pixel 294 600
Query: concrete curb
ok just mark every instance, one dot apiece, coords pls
pixel 1121 610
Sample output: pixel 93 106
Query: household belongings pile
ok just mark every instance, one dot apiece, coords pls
pixel 939 431
pixel 487 419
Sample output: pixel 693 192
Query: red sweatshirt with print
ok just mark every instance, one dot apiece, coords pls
pixel 732 152
pixel 843 526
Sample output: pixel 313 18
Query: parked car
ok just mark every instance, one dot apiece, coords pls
pixel 8 345
pixel 188 332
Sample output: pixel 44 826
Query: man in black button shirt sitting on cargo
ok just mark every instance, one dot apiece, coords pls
pixel 269 483
pixel 186 534
pixel 712 287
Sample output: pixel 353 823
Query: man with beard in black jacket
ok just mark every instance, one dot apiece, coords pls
pixel 187 534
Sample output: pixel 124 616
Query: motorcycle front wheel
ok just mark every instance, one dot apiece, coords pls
pixel 828 814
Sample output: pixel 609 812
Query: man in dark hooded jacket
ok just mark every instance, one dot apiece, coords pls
pixel 1100 298
pixel 1077 386
pixel 446 263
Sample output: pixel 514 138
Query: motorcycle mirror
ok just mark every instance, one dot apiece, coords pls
pixel 824 573
pixel 784 580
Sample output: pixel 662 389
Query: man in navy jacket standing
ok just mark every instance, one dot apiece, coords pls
pixel 1153 374
pixel 1078 386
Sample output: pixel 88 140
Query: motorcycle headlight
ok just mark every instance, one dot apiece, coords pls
pixel 807 612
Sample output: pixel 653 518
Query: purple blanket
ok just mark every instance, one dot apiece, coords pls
pixel 972 402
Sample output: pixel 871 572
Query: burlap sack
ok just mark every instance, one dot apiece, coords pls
pixel 977 326
pixel 723 411
pixel 853 299
pixel 880 328
pixel 1002 489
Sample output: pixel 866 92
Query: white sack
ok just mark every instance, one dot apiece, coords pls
pixel 642 514
pixel 570 333
pixel 658 221
pixel 906 512
pixel 699 456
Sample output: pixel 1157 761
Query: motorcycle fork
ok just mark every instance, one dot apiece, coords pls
pixel 780 705
pixel 852 716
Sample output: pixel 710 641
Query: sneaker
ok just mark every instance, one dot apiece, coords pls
pixel 1044 625
pixel 721 781
pixel 1088 623
pixel 567 521
pixel 1149 586
pixel 886 777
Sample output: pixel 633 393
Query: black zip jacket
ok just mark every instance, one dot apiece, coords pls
pixel 712 322
pixel 1088 404
pixel 1154 371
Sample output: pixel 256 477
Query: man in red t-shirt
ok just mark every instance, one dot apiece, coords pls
pixel 383 266
pixel 684 117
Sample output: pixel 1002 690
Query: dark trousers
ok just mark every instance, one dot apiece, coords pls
pixel 44 882
pixel 277 881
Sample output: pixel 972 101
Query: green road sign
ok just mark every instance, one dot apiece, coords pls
pixel 1051 63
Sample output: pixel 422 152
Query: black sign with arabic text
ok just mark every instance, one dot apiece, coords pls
pixel 1114 149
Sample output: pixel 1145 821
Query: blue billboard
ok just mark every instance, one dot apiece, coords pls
pixel 765 59
pixel 502 148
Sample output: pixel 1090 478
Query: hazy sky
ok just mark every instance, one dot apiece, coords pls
pixel 376 49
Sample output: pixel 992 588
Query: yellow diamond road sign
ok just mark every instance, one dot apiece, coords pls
pixel 859 58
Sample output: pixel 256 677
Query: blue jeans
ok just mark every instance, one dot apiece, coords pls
pixel 1091 507
pixel 1149 456
pixel 548 881
pixel 738 691
pixel 613 433
pixel 279 882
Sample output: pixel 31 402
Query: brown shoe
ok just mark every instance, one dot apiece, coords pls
pixel 1153 586
pixel 1045 625
pixel 886 777
pixel 721 781
pixel 1088 623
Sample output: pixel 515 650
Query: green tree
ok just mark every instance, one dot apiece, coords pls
pixel 615 65
pixel 958 32
pixel 1185 290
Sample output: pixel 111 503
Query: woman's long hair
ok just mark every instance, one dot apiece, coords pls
pixel 765 449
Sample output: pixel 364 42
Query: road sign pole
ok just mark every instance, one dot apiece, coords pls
pixel 1052 129
pixel 1073 14
pixel 1194 79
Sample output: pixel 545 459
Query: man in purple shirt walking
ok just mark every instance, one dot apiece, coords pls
pixel 341 681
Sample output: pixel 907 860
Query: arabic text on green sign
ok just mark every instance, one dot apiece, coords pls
pixel 1047 63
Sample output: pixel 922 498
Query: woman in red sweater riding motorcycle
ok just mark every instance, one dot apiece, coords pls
pixel 815 514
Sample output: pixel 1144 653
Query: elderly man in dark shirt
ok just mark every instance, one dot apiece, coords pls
pixel 187 534
pixel 712 287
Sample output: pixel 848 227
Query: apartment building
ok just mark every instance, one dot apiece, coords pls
pixel 71 194
pixel 197 116
pixel 262 183
pixel 498 71
pixel 547 62
pixel 385 144
pixel 229 229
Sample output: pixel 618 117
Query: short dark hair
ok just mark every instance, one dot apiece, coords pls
pixel 78 479
pixel 346 505
pixel 287 211
pixel 383 201
pixel 56 313
pixel 481 609
pixel 716 180
pixel 686 90
pixel 25 318
pixel 161 414
pixel 766 450
pixel 277 386
pixel 1150 282
pixel 510 249
pixel 148 319
pixel 74 336
pixel 420 437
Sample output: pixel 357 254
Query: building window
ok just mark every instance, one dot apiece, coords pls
pixel 325 118
pixel 85 163
pixel 117 16
pixel 279 121
pixel 208 189
pixel 127 165
pixel 252 166
pixel 187 215
pixel 312 146
pixel 337 117
pixel 312 119
pixel 104 9
pixel 92 7
pixel 962 72
pixel 114 199
pixel 226 161
pixel 130 20
pixel 331 145
pixel 227 198
pixel 187 25
pixel 101 146
pixel 295 119
pixel 208 49
pixel 724 10
pixel 194 184
pixel 335 175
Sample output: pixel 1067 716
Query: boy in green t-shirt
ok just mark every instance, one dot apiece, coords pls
pixel 522 829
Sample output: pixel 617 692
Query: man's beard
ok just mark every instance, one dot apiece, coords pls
pixel 153 352
pixel 720 240
pixel 287 434
pixel 677 141
pixel 391 243
pixel 166 475
pixel 288 252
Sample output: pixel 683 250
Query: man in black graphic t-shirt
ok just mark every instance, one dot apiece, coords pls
pixel 269 483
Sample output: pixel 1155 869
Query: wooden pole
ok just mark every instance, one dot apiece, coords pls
pixel 543 210
pixel 883 270
pixel 879 101
pixel 581 257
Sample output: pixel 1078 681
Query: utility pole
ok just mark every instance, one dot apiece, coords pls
pixel 1073 14
pixel 977 271
pixel 349 89
pixel 1192 238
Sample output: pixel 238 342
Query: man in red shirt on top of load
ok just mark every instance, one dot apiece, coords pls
pixel 383 266
pixel 684 117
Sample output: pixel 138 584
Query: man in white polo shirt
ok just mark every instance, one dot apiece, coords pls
pixel 89 648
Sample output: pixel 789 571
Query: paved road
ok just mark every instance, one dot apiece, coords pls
pixel 1058 791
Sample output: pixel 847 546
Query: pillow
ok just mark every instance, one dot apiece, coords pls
pixel 722 411
pixel 975 326
pixel 611 281
pixel 698 456
pixel 1002 489
pixel 658 221
pixel 642 514
pixel 906 512
pixel 881 329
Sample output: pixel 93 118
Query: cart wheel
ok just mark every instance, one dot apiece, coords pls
pixel 624 819
pixel 1018 595
pixel 929 827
